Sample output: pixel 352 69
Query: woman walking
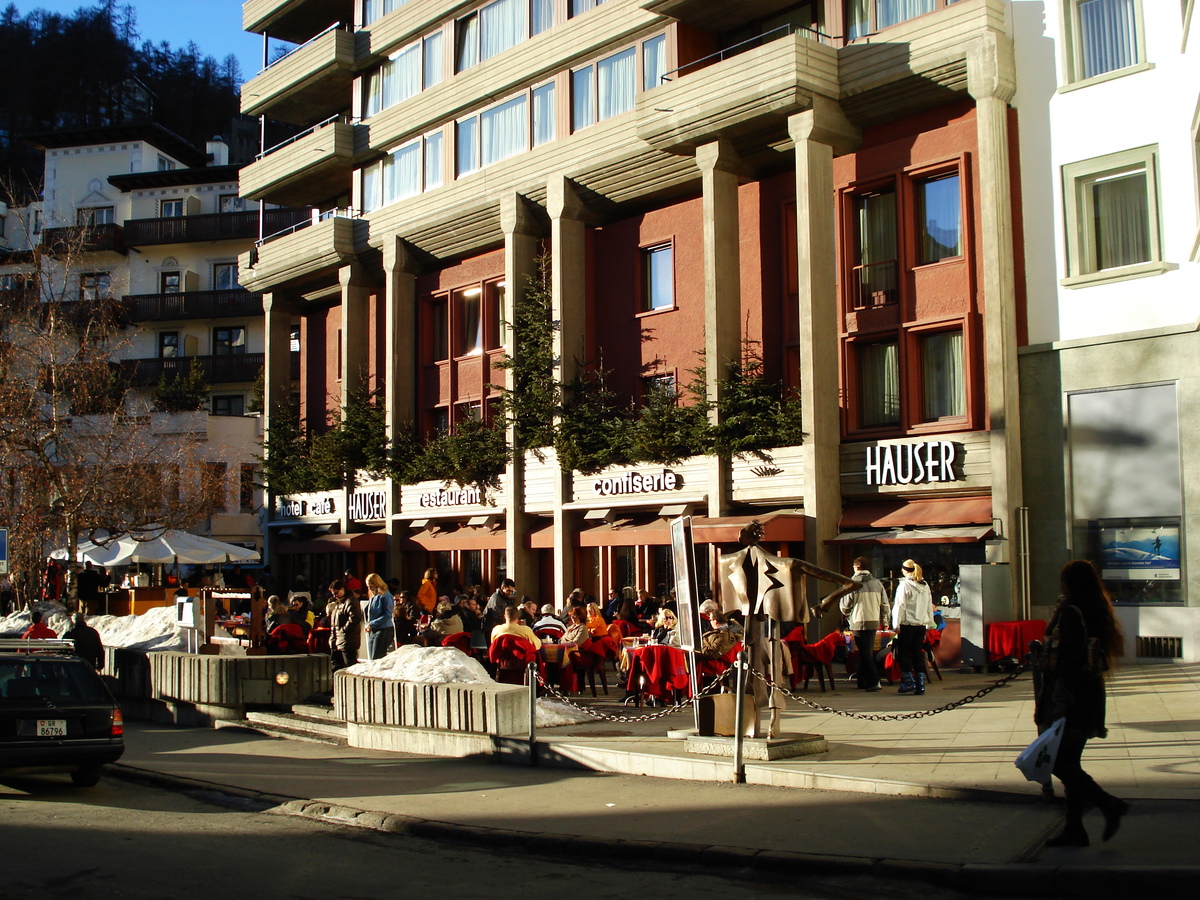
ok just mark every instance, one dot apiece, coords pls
pixel 1081 639
pixel 381 629
pixel 912 614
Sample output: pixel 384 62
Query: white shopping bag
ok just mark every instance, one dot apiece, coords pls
pixel 1036 761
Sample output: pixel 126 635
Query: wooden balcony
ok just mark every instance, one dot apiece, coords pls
pixel 225 369
pixel 308 85
pixel 74 239
pixel 237 303
pixel 212 227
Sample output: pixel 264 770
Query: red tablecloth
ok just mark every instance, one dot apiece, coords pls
pixel 1011 639
pixel 657 670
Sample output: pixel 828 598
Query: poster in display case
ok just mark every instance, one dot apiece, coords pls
pixel 1140 553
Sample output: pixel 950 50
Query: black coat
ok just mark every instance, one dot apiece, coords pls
pixel 1072 682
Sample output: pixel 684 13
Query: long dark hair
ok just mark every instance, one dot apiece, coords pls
pixel 1081 586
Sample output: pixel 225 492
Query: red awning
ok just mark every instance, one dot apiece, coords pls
pixel 369 542
pixel 910 513
pixel 465 537
pixel 724 530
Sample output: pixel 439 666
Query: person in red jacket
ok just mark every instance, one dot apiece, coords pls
pixel 38 631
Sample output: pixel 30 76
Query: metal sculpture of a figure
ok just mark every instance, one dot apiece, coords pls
pixel 769 591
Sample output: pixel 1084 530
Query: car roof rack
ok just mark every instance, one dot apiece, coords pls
pixel 42 645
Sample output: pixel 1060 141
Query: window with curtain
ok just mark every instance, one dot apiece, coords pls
pixel 1122 220
pixel 616 78
pixel 470 321
pixel 395 80
pixel 1106 36
pixel 658 278
pixel 372 189
pixel 374 9
pixel 1111 216
pixel 466 142
pixel 432 63
pixel 654 61
pixel 466 50
pixel 939 218
pixel 579 7
pixel 541 16
pixel 943 385
pixel 583 101
pixel 433 160
pixel 502 24
pixel 877 247
pixel 503 130
pixel 879 384
pixel 543 114
pixel 402 173
pixel 495 307
pixel 865 17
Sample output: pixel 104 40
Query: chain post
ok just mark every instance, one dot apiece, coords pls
pixel 532 678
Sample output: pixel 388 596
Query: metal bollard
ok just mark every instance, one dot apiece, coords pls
pixel 531 677
pixel 739 706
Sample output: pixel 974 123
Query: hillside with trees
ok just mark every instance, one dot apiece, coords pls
pixel 64 72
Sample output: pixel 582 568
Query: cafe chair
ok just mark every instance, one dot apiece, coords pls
pixel 715 668
pixel 511 654
pixel 460 640
pixel 550 633
pixel 589 660
pixel 933 637
pixel 817 657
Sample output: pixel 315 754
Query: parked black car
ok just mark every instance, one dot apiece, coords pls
pixel 56 715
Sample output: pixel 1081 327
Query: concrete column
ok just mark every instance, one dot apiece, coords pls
pixel 720 170
pixel 522 228
pixel 402 352
pixel 277 369
pixel 816 133
pixel 991 81
pixel 569 219
pixel 355 290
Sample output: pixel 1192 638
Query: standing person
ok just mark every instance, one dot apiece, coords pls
pixel 345 620
pixel 381 630
pixel 88 645
pixel 351 582
pixel 87 586
pixel 1081 639
pixel 912 615
pixel 865 608
pixel 505 596
pixel 427 595
pixel 8 594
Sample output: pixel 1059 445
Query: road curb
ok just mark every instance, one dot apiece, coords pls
pixel 1026 879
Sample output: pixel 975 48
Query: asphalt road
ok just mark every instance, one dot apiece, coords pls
pixel 132 841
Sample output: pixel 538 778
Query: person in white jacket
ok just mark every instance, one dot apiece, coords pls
pixel 912 614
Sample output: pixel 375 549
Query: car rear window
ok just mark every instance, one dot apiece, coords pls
pixel 50 679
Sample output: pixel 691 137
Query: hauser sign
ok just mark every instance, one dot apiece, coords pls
pixel 637 483
pixel 921 463
pixel 365 505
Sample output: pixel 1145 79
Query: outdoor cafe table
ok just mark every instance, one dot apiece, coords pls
pixel 1011 639
pixel 658 670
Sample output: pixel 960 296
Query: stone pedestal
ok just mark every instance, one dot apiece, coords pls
pixel 784 747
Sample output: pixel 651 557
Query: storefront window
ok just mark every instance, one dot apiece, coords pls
pixel 940 563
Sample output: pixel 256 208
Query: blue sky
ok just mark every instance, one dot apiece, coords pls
pixel 215 25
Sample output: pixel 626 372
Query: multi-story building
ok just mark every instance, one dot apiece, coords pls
pixel 828 179
pixel 135 212
pixel 1109 97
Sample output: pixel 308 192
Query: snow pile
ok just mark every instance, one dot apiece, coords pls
pixel 155 629
pixel 54 615
pixel 552 712
pixel 427 665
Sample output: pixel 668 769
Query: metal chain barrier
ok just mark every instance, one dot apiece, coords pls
pixel 666 711
pixel 890 717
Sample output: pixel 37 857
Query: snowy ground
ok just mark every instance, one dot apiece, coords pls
pixel 153 630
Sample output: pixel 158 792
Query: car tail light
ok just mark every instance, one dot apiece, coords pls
pixel 118 726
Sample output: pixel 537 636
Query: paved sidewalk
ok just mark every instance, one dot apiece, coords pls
pixel 919 798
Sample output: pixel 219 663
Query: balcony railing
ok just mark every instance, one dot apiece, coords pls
pixel 193 305
pixel 774 34
pixel 876 284
pixel 211 227
pixel 224 369
pixel 64 242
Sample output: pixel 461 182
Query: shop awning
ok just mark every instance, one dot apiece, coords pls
pixel 724 530
pixel 943 520
pixel 367 542
pixel 465 537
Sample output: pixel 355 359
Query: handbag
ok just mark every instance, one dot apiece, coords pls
pixel 1036 761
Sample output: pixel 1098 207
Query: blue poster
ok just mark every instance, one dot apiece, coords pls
pixel 1140 554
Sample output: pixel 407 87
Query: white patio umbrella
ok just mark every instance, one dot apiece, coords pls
pixel 170 546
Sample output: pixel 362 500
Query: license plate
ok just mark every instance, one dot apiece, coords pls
pixel 51 727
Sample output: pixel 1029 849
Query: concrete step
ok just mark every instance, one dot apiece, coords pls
pixel 323 712
pixel 290 726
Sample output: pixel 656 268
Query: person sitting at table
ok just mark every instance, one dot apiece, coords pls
pixel 577 632
pixel 528 611
pixel 446 621
pixel 512 625
pixel 468 611
pixel 404 620
pixel 596 624
pixel 666 628
pixel 548 625
pixel 300 606
pixel 277 613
